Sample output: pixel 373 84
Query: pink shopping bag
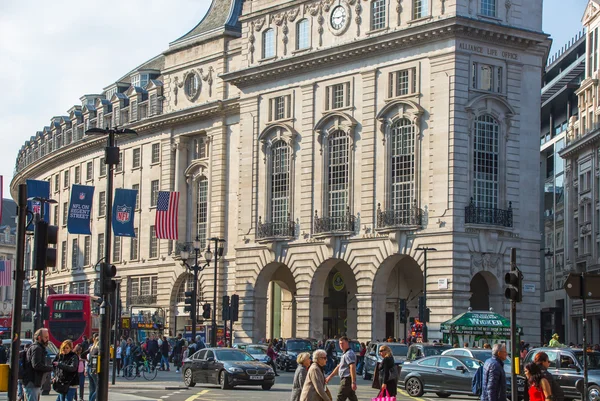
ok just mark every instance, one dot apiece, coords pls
pixel 384 395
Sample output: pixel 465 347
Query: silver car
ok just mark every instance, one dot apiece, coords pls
pixel 372 357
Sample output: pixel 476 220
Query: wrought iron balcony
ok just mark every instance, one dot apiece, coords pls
pixel 142 300
pixel 342 223
pixel 273 231
pixel 489 216
pixel 408 218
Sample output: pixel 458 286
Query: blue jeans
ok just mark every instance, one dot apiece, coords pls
pixel 81 384
pixel 32 393
pixel 20 394
pixel 164 360
pixel 70 396
pixel 128 361
pixel 93 378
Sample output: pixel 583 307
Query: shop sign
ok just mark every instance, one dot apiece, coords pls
pixel 125 323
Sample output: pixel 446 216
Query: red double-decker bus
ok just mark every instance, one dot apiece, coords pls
pixel 70 317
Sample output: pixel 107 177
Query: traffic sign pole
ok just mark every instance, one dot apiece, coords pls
pixel 584 393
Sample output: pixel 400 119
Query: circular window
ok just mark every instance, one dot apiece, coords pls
pixel 192 86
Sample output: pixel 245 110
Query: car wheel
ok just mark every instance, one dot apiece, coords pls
pixel 224 380
pixel 414 387
pixel 443 395
pixel 267 386
pixel 365 375
pixel 594 393
pixel 187 378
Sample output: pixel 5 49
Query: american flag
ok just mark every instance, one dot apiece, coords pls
pixel 166 215
pixel 6 268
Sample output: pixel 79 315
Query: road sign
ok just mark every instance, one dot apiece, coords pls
pixel 592 285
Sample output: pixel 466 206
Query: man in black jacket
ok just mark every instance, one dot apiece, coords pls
pixel 36 367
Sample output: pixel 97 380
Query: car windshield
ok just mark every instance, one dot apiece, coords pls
pixel 298 346
pixel 398 350
pixel 435 350
pixel 593 359
pixel 482 355
pixel 233 355
pixel 256 350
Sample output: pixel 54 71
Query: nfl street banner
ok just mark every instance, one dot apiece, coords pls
pixel 80 209
pixel 123 207
pixel 38 189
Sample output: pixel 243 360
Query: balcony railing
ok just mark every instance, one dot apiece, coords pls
pixel 342 223
pixel 408 218
pixel 281 229
pixel 490 216
pixel 142 300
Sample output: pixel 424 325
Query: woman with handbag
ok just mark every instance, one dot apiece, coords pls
pixel 314 388
pixel 388 372
pixel 303 360
pixel 66 379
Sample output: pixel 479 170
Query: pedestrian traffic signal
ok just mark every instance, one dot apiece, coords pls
pixel 225 310
pixel 109 272
pixel 422 308
pixel 403 315
pixel 189 303
pixel 45 235
pixel 206 311
pixel 235 307
pixel 514 282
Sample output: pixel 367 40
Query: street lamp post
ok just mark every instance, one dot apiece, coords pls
pixel 111 159
pixel 425 249
pixel 196 268
pixel 219 248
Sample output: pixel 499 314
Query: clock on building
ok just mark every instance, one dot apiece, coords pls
pixel 339 18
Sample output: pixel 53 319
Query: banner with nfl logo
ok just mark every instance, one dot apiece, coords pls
pixel 80 209
pixel 38 189
pixel 123 212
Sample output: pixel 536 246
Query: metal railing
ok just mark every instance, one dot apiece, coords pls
pixel 142 300
pixel 411 217
pixel 492 216
pixel 343 222
pixel 281 229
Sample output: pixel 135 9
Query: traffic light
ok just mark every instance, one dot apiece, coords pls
pixel 235 307
pixel 403 314
pixel 422 308
pixel 514 282
pixel 206 311
pixel 108 273
pixel 225 310
pixel 189 303
pixel 45 235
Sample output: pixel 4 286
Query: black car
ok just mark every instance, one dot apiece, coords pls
pixel 372 357
pixel 227 367
pixel 566 365
pixel 354 345
pixel 287 354
pixel 440 374
pixel 421 350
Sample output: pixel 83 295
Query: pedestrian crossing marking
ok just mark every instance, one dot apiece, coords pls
pixel 197 395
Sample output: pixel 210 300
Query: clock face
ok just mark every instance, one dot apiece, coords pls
pixel 338 17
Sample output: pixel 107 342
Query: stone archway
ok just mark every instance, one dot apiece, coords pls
pixel 333 302
pixel 486 292
pixel 398 277
pixel 274 303
pixel 178 318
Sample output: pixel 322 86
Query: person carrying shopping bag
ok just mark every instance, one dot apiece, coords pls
pixel 386 376
pixel 66 379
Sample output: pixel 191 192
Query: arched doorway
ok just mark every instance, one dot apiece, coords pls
pixel 179 318
pixel 486 293
pixel 274 303
pixel 398 279
pixel 333 300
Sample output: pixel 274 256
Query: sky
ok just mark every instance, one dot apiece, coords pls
pixel 53 52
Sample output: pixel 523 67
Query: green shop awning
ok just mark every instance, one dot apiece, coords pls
pixel 479 324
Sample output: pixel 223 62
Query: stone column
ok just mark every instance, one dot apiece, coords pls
pixel 181 162
pixel 367 196
pixel 375 303
pixel 304 316
pixel 288 314
pixel 307 155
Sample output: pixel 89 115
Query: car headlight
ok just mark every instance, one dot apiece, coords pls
pixel 233 369
pixel 270 371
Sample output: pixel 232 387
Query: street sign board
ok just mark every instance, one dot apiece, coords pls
pixel 573 285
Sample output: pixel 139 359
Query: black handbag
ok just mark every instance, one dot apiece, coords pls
pixel 60 387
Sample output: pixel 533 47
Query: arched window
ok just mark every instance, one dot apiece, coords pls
pixel 186 285
pixel 268 43
pixel 280 185
pixel 485 162
pixel 202 210
pixel 402 168
pixel 302 35
pixel 338 174
pixel 378 14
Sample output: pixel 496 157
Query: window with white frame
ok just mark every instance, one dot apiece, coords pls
pixel 117 249
pixel 63 255
pixel 302 34
pixel 65 213
pixel 279 107
pixel 75 254
pixel 135 80
pixel 280 184
pixel 338 173
pixel 77 179
pixel 153 193
pixel 420 8
pixel 137 196
pixel 100 248
pixel 133 251
pixel 202 210
pixel 102 204
pixel 486 155
pixel 402 163
pixel 103 167
pixel 487 77
pixel 153 243
pixel 66 179
pixel 199 148
pixel 403 82
pixel 378 14
pixel 80 287
pixel 56 215
pixel 268 42
pixel 89 171
pixel 488 8
pixel 155 153
pixel 87 250
pixel 337 96
pixel 192 85
pixel 137 157
pixel 56 182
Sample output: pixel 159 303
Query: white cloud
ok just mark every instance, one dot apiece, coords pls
pixel 53 52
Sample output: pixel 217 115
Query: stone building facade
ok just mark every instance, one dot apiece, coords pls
pixel 325 141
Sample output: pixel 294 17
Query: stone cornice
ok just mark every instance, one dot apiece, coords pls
pixel 393 41
pixel 581 143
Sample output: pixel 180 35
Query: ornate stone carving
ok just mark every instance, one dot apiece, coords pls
pixel 259 23
pixel 508 5
pixel 252 39
pixel 316 10
pixel 399 11
pixel 358 18
pixel 207 78
pixel 470 7
pixel 443 6
pixel 489 262
pixel 175 89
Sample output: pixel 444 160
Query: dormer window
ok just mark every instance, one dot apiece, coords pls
pixel 110 92
pixel 135 80
pixel 140 80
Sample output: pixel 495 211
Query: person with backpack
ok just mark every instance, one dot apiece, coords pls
pixel 36 368
pixel 22 362
pixel 493 382
pixel 66 378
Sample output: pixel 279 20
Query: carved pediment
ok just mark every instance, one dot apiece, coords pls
pixel 591 11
